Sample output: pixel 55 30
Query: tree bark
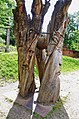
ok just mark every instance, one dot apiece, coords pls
pixel 27 31
pixel 7 40
pixel 50 86
pixel 29 44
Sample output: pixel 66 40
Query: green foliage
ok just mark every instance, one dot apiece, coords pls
pixel 6 19
pixel 71 39
pixel 69 64
pixel 11 48
pixel 2 35
pixel 8 66
pixel 77 18
pixel 2 45
pixel 6 16
pixel 12 39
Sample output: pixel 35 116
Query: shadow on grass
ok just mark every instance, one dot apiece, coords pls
pixel 19 111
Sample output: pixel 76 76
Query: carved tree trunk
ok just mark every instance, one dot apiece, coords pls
pixel 50 86
pixel 27 34
pixel 27 31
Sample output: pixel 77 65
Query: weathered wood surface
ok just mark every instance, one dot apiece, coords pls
pixel 50 86
pixel 30 45
pixel 27 31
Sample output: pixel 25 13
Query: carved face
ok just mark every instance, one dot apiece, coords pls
pixel 37 7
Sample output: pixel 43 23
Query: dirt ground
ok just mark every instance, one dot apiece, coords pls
pixel 69 95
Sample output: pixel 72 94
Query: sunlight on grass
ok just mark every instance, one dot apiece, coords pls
pixel 9 65
pixel 69 64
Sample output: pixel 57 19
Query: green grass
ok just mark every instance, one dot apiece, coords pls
pixel 9 66
pixel 56 107
pixel 35 71
pixel 49 115
pixel 69 64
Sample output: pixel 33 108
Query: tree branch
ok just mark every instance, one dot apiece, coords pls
pixel 45 7
pixel 21 6
pixel 58 15
pixel 20 21
pixel 36 7
pixel 38 12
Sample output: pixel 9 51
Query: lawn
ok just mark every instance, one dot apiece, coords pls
pixel 9 68
pixel 69 64
pixel 8 65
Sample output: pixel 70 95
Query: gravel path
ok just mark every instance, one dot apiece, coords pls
pixel 70 89
pixel 69 95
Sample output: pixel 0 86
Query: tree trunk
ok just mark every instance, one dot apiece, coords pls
pixel 50 86
pixel 7 40
pixel 27 33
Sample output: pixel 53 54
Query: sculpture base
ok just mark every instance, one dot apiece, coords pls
pixel 28 103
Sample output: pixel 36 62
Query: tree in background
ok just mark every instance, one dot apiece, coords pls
pixel 77 19
pixel 71 40
pixel 6 19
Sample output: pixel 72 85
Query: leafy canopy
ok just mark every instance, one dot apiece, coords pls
pixel 71 39
pixel 6 16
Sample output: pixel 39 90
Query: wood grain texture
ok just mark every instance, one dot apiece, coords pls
pixel 27 32
pixel 50 86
